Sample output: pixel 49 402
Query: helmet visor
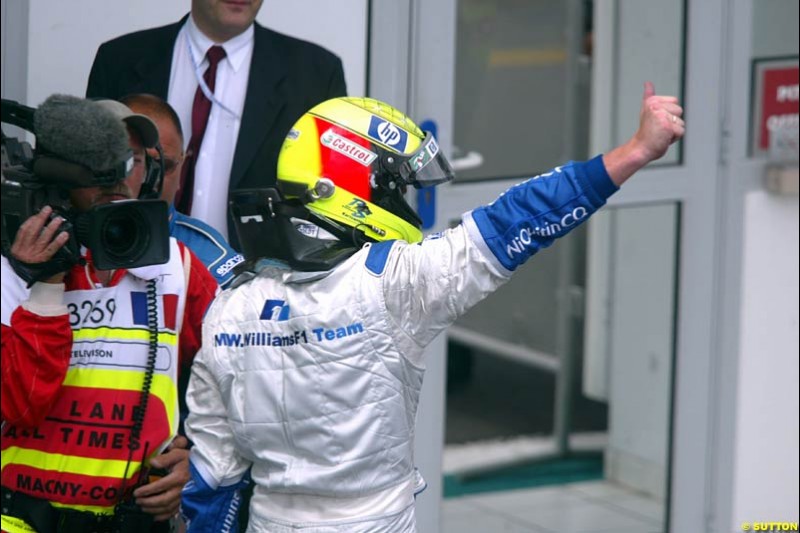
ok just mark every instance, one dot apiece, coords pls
pixel 427 166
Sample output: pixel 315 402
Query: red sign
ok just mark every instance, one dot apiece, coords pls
pixel 778 102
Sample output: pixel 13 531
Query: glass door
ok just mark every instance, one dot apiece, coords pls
pixel 572 367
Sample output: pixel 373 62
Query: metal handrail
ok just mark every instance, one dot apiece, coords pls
pixel 507 350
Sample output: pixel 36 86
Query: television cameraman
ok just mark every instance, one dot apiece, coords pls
pixel 91 354
pixel 203 240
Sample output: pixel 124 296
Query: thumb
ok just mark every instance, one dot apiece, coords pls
pixel 159 461
pixel 179 442
pixel 649 90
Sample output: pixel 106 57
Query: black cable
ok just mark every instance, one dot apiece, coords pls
pixel 139 411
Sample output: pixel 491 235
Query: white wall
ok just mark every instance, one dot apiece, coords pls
pixel 757 450
pixel 63 36
pixel 765 464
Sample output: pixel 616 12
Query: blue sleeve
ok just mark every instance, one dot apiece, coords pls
pixel 205 509
pixel 208 245
pixel 531 215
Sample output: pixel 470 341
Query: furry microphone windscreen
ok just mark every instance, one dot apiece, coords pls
pixel 81 131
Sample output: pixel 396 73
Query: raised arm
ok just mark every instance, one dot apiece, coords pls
pixel 448 274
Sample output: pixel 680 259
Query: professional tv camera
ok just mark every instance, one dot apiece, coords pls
pixel 79 144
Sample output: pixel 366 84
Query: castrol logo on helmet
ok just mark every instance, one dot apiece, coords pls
pixel 347 147
pixel 387 133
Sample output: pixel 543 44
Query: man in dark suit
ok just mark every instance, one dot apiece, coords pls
pixel 252 109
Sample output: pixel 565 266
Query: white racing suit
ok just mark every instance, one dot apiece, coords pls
pixel 313 379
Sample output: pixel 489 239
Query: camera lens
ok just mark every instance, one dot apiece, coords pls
pixel 125 235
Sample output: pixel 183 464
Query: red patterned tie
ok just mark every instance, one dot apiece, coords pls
pixel 201 108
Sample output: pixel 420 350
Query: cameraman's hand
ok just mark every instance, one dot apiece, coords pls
pixel 38 240
pixel 162 498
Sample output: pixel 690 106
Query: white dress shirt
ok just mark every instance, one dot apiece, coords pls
pixel 213 169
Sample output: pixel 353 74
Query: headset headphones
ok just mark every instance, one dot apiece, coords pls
pixel 154 166
pixel 154 175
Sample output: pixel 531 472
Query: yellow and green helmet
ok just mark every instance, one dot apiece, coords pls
pixel 349 160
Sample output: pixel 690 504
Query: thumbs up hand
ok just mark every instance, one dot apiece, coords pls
pixel 660 123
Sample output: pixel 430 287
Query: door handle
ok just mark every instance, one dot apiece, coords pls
pixel 469 161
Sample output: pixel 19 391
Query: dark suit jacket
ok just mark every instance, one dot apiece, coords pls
pixel 288 76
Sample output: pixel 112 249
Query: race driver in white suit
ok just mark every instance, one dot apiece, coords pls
pixel 312 365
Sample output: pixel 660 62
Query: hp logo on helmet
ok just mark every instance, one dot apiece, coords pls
pixel 387 133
